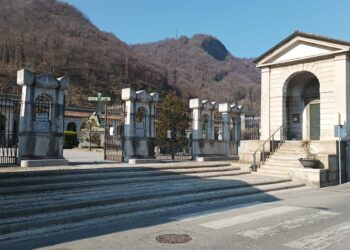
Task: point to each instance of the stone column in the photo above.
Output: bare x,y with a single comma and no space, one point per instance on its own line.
226,116
231,114
42,119
236,118
137,146
199,109
196,106
265,104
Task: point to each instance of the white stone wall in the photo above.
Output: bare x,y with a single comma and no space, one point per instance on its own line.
333,76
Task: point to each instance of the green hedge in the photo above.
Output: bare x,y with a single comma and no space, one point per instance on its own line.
70,139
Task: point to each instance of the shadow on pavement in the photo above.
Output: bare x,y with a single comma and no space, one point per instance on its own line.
126,188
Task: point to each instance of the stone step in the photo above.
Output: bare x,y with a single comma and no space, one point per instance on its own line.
80,195
275,162
274,172
291,150
24,221
282,165
292,143
140,215
282,152
284,157
111,182
42,205
278,167
241,165
72,170
216,158
11,182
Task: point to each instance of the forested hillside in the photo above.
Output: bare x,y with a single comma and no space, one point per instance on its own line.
52,36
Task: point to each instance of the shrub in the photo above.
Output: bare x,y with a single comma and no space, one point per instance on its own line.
70,139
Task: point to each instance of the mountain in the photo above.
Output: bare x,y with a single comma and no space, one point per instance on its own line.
202,66
52,36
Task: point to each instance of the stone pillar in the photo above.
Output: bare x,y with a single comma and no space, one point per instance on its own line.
42,119
195,105
236,118
226,116
265,104
231,117
139,136
199,110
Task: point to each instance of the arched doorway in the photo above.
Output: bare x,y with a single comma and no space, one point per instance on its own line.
72,127
301,96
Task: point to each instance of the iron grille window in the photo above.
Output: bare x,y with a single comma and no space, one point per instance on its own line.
43,106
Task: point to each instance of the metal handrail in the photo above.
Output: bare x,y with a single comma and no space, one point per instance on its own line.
272,149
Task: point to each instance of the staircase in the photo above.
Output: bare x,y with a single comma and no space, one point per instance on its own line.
284,160
33,203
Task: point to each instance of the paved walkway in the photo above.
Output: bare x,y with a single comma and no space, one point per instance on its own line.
85,159
83,155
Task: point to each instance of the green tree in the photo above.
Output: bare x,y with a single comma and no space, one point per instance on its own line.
172,115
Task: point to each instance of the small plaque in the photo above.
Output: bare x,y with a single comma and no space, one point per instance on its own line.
140,130
41,123
139,125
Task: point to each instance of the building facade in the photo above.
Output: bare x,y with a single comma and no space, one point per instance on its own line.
305,87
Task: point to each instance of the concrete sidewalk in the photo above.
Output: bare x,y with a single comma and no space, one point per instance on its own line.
340,188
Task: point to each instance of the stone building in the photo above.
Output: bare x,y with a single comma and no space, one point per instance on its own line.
305,93
305,86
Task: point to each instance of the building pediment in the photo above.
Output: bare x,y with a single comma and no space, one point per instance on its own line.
301,46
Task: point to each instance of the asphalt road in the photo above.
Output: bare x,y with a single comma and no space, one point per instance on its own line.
307,219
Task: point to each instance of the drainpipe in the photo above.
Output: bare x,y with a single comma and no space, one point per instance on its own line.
339,150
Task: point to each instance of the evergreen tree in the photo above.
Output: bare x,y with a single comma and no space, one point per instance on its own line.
172,116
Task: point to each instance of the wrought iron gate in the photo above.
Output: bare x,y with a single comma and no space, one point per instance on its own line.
9,120
114,124
251,129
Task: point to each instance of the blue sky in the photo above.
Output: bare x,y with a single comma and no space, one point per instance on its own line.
246,27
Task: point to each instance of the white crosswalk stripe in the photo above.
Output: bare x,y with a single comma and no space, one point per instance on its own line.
231,221
194,216
323,239
287,225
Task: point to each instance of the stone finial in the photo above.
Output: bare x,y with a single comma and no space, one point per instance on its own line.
226,107
202,104
64,82
128,94
236,108
25,77
195,103
155,96
208,105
